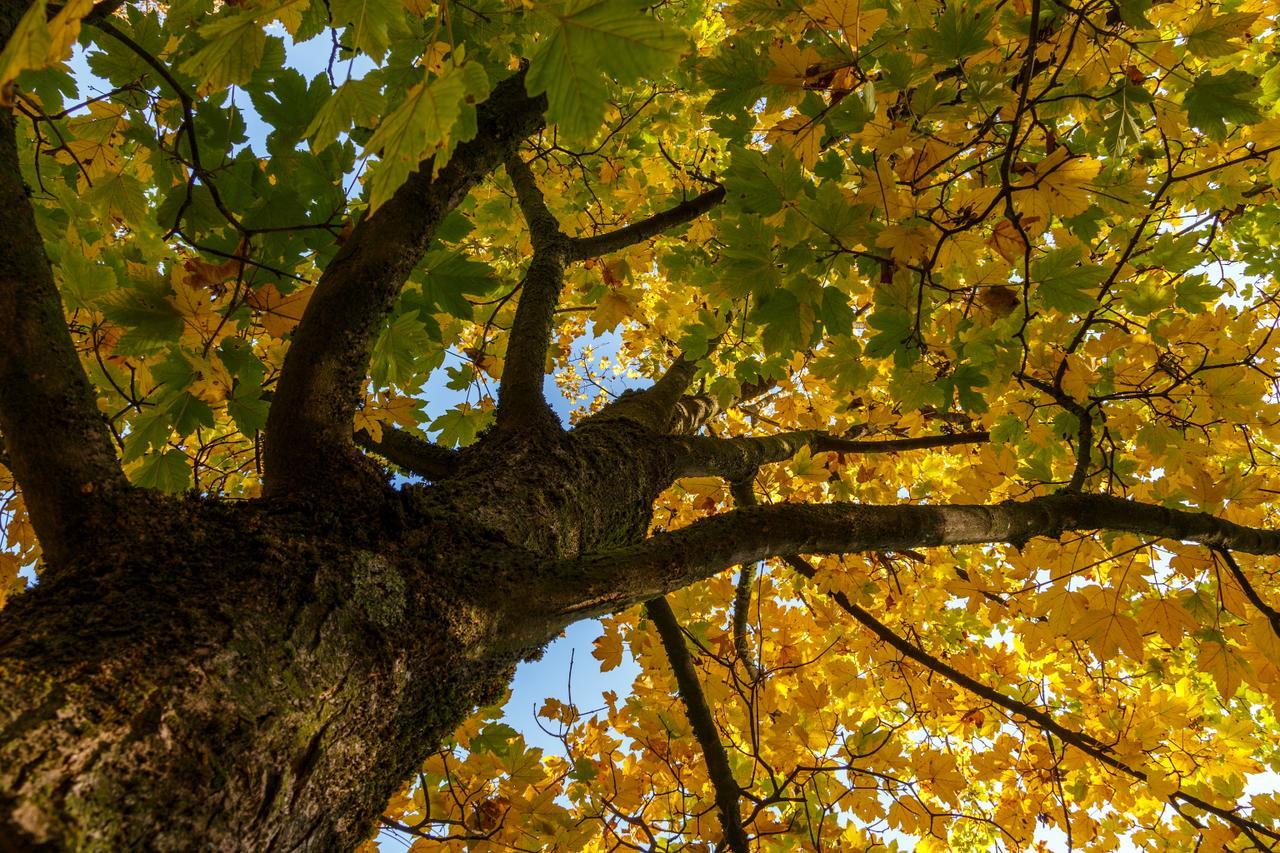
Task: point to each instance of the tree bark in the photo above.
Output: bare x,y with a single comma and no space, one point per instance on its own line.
263,676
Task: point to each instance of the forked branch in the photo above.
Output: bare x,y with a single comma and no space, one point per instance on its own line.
328,359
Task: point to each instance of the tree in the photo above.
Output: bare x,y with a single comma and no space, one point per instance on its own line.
951,329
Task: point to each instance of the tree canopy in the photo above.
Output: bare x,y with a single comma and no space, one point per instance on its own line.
972,305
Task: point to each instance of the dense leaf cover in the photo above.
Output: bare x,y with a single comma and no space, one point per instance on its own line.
1043,228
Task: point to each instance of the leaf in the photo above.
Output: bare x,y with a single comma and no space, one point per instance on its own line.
1060,185
396,352
1223,663
1211,35
167,472
1124,126
960,32
1107,633
36,43
1168,618
420,126
587,41
233,49
1215,99
279,313
460,426
802,136
1066,281
354,103
371,23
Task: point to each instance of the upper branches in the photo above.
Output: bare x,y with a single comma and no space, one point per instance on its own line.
326,365
607,582
521,401
59,447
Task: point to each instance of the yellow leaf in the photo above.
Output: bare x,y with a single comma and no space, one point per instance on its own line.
1226,667
1107,633
849,17
793,65
1168,618
801,135
280,313
1059,186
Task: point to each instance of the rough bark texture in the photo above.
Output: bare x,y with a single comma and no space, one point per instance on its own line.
262,676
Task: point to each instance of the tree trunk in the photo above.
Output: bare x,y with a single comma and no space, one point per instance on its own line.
262,676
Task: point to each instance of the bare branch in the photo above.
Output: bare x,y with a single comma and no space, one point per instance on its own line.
1082,741
521,403
703,724
58,444
328,359
744,494
733,458
1084,434
581,248
610,581
1273,616
415,455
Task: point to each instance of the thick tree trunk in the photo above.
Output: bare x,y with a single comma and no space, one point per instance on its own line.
263,676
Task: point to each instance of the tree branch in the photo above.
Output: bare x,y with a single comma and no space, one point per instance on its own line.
58,444
1273,616
521,403
606,582
744,494
328,358
1084,433
653,406
734,458
581,248
415,455
1082,741
703,724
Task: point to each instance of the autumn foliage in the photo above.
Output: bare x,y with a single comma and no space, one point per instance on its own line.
989,252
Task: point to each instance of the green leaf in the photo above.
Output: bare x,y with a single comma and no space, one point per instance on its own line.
397,350
787,322
83,282
249,411
894,326
420,127
961,31
1211,35
758,184
188,412
354,103
587,41
233,49
150,321
1215,99
289,106
167,472
371,23
1123,127
459,427
1065,282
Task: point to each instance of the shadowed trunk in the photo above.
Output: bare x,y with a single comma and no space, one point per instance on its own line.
263,676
